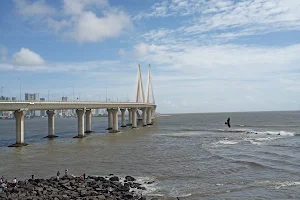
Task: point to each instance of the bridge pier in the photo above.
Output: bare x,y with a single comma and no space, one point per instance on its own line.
123,117
149,117
19,115
51,128
145,116
129,117
88,121
134,119
80,117
109,119
115,128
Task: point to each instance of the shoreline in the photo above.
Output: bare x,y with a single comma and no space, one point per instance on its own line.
72,187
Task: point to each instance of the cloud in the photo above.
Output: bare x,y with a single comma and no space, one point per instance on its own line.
221,21
169,103
90,28
27,57
77,20
77,7
27,8
26,60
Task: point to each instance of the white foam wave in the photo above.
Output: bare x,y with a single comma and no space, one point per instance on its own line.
255,143
286,184
227,142
265,139
277,184
281,133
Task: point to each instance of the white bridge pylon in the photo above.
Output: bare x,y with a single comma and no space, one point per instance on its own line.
140,96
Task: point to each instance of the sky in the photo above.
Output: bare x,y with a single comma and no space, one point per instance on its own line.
205,56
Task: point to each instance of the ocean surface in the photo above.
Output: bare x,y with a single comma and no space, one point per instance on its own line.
190,156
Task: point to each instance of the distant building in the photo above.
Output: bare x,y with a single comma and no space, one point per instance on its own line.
14,98
32,97
42,112
64,98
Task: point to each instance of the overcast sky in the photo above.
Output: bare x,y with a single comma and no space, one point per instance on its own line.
206,56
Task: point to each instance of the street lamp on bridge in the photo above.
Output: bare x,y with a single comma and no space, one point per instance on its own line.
48,94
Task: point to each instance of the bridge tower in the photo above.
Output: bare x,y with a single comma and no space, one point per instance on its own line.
149,85
140,96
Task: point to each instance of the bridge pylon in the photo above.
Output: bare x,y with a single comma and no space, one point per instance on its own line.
140,96
149,85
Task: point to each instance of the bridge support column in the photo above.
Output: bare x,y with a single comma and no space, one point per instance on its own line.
129,117
51,129
115,120
88,121
80,117
144,116
109,119
19,115
149,117
123,117
134,119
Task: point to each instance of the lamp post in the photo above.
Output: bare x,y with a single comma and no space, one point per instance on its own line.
1,93
79,95
99,97
48,94
20,88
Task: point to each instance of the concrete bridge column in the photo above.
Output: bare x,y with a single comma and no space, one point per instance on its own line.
88,121
129,117
149,117
115,128
51,128
134,119
109,119
19,115
123,117
144,116
80,117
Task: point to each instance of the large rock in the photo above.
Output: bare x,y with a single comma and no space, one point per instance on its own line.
129,178
114,178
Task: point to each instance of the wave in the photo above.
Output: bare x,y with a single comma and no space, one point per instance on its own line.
277,184
250,163
282,133
229,142
269,126
247,131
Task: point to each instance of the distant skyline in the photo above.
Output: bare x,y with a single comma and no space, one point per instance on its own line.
206,56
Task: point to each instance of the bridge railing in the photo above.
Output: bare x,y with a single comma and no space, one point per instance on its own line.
33,101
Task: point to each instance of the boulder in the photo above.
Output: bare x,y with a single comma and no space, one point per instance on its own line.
129,178
114,178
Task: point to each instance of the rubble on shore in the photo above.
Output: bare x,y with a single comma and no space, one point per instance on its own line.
69,187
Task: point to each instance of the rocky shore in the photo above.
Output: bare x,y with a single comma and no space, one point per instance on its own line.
69,187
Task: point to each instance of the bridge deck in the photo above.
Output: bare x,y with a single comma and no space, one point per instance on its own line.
65,105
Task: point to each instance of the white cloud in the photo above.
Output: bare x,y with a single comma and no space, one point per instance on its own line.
76,7
228,19
28,8
91,28
27,57
77,19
